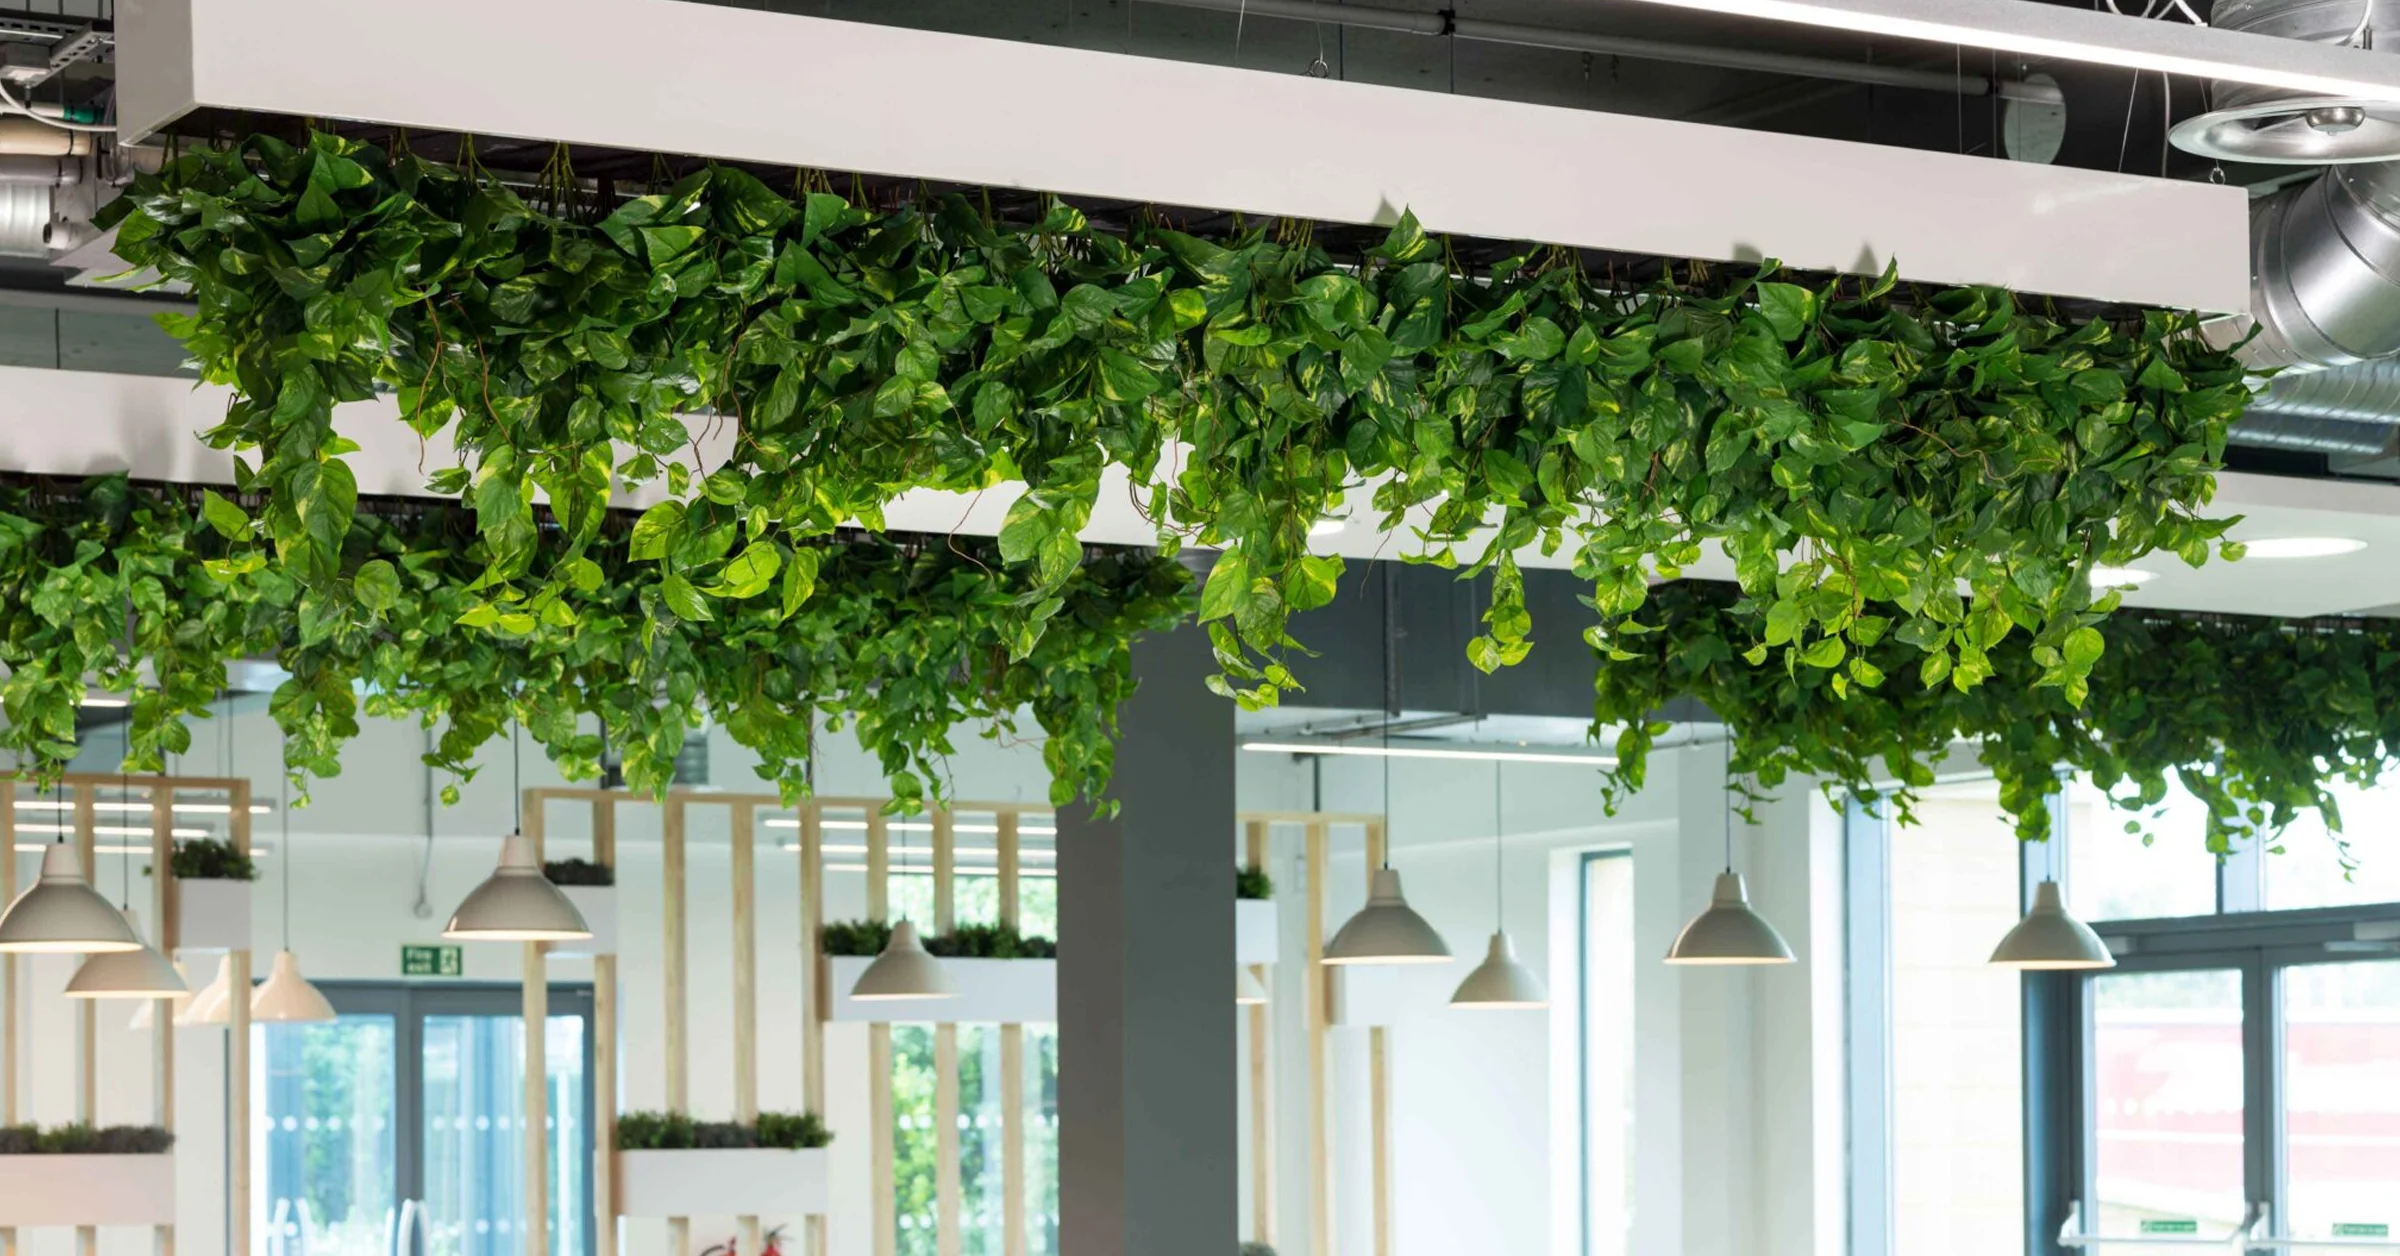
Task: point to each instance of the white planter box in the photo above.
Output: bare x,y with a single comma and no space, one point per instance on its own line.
213,915
87,1190
735,1182
598,903
1255,931
1006,991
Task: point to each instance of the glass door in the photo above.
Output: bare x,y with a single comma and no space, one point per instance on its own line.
398,1128
2168,1101
2341,1105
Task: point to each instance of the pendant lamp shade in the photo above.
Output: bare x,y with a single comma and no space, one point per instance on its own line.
1501,981
287,997
1387,930
1246,990
905,970
516,904
61,913
1729,932
136,974
213,1005
2049,939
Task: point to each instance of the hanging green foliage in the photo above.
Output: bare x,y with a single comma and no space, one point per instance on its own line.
2254,717
149,591
1862,454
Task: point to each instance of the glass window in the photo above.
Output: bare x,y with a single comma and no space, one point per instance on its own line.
473,1140
2161,868
1957,1043
2167,1102
2341,1119
1607,996
326,1134
2305,866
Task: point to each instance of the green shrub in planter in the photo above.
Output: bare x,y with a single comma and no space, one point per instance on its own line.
79,1139
578,872
673,1131
1251,881
868,937
210,859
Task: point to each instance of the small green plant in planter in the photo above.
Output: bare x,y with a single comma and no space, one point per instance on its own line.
79,1139
674,1131
1257,1249
212,859
868,937
1252,881
578,872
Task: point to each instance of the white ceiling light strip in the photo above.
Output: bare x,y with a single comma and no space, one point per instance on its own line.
2132,43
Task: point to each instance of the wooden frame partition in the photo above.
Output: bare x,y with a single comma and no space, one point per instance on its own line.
85,789
1317,858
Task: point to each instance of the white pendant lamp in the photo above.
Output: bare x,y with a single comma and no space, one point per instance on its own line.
1247,992
213,1004
136,974
517,903
286,996
61,914
1500,981
2048,939
1387,930
905,970
1728,932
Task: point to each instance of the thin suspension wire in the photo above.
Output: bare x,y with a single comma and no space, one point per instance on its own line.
1499,852
283,809
1727,743
516,768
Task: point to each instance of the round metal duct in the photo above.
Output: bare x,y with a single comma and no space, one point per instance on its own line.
2276,126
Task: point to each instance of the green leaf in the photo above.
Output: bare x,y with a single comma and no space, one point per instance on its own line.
228,519
377,585
657,530
682,598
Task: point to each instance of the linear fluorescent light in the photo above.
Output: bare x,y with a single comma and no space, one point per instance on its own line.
2042,30
964,872
101,702
108,830
845,848
181,808
913,826
1428,752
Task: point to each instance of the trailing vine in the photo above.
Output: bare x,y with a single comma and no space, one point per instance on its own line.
149,591
2254,717
1861,453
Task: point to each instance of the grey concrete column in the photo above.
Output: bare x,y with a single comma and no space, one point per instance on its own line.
1147,1104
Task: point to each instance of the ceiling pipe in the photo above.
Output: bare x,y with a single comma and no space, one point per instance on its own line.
1450,24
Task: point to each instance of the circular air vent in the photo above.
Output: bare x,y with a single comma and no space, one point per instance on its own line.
2295,131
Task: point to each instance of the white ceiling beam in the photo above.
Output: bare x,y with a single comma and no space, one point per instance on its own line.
712,81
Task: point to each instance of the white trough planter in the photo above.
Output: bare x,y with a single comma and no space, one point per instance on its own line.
728,1182
598,903
87,1190
213,915
1005,991
1255,931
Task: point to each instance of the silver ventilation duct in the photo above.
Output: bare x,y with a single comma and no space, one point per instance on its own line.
2280,126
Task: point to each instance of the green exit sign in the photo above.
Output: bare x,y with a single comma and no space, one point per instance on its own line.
2361,1230
2170,1225
432,961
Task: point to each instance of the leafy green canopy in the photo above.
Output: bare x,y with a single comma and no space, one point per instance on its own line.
1861,458
149,591
2254,717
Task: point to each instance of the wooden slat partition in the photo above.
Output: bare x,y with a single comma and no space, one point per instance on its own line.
947,1189
745,991
679,1229
1255,836
1319,984
812,988
883,1210
535,1030
87,1011
1379,1090
604,1049
163,914
237,1052
1012,1061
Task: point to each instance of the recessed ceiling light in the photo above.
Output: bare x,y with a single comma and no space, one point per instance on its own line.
1327,527
2107,577
2303,546
1426,752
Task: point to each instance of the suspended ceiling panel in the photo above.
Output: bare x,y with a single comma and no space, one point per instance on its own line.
662,76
